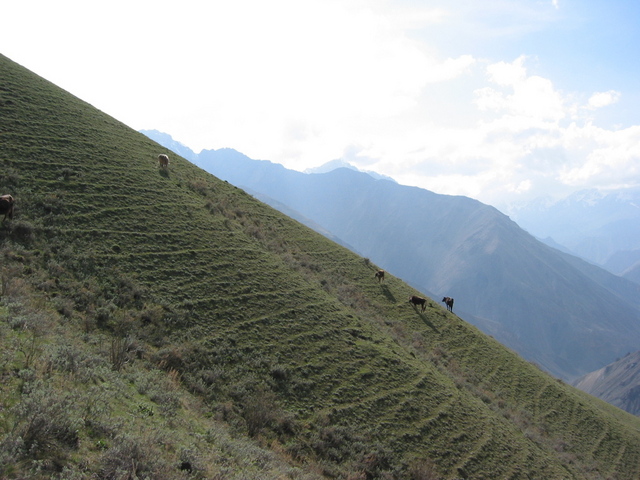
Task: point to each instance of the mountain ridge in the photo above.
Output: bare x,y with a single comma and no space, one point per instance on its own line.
617,383
465,249
592,224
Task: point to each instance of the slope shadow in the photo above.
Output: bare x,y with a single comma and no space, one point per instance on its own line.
387,293
425,319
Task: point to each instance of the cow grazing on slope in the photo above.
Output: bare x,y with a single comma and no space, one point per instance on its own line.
449,302
6,207
380,275
418,301
163,160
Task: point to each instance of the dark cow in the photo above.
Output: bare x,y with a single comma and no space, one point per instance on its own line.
380,275
449,302
163,160
418,301
6,207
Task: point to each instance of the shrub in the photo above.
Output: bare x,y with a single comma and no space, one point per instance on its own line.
262,414
95,409
129,292
104,314
131,457
258,412
334,443
200,186
8,274
11,449
279,373
64,306
45,420
52,203
152,314
30,348
9,178
423,469
66,358
22,231
161,388
170,358
123,349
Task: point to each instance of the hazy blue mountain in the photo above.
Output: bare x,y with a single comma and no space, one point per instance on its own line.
632,273
167,141
565,314
299,217
618,383
339,163
625,263
594,225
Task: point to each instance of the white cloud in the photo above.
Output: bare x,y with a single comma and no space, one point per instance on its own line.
508,74
300,83
603,99
527,142
295,82
612,158
532,97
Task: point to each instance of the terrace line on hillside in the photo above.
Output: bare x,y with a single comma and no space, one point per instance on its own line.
282,336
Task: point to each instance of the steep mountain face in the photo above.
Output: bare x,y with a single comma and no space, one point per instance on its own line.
534,299
618,383
592,224
161,323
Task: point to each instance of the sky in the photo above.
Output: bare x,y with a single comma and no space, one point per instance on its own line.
499,100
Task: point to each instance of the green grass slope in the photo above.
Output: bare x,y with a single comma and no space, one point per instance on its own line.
165,324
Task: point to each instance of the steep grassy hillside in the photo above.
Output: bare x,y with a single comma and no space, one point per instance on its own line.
165,324
459,247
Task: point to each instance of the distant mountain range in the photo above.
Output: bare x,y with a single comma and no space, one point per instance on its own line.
335,164
556,310
603,228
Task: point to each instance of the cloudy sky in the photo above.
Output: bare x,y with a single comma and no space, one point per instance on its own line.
499,100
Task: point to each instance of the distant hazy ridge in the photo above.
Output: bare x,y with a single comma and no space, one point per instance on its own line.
556,310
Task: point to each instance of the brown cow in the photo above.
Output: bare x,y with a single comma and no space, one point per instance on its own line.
418,301
380,275
6,207
449,302
163,160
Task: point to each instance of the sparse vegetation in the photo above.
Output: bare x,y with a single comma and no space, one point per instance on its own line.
164,324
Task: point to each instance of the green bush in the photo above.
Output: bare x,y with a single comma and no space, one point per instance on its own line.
133,457
22,231
45,424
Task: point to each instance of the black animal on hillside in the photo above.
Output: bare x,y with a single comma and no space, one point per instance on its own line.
6,206
449,302
418,301
380,275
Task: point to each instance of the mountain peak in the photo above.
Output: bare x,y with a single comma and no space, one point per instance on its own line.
341,163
